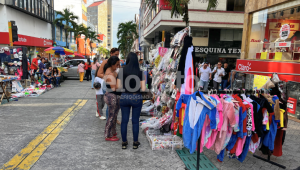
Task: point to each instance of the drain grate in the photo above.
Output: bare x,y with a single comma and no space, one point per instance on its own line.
190,160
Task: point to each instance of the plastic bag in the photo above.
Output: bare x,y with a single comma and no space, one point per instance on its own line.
275,78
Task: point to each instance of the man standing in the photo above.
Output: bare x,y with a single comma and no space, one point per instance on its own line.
225,78
34,66
42,68
219,73
205,76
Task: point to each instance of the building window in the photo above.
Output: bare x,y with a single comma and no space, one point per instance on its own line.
235,5
58,33
200,32
108,30
108,26
108,19
109,45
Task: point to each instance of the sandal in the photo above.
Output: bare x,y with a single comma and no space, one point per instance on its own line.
124,145
136,145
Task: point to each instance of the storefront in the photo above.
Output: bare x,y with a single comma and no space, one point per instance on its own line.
272,33
271,44
214,55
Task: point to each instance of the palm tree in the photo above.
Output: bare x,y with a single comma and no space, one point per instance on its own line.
94,37
180,7
67,18
127,33
103,51
77,29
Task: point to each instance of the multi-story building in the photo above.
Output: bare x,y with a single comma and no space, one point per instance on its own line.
59,34
136,43
109,24
78,7
33,19
98,16
221,28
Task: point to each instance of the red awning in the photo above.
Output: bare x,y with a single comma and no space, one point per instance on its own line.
287,71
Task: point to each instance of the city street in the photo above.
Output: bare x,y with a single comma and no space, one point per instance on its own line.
59,130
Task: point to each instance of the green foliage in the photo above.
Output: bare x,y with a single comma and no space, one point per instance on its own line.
127,33
69,18
180,7
103,51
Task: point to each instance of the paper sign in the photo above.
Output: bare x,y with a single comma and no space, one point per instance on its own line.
259,81
162,51
263,55
278,55
285,31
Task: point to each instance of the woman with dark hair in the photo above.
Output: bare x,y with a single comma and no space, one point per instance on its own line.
56,75
111,97
131,97
80,70
95,65
88,68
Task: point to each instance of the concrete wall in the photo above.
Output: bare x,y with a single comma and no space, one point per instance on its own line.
27,25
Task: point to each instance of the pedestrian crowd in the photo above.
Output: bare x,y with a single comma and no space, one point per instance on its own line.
108,80
42,69
222,76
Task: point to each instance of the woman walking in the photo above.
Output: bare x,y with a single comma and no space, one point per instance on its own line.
131,98
111,97
88,67
95,65
80,70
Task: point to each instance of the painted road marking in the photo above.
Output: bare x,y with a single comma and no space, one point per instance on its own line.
36,104
26,158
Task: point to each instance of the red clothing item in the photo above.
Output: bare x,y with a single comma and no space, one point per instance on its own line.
36,63
278,143
88,65
28,66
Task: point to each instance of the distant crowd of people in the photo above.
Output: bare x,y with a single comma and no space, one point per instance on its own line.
42,69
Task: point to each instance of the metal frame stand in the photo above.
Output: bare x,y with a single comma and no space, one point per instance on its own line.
269,161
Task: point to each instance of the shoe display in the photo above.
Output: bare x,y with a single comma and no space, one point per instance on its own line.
147,109
102,118
112,139
97,115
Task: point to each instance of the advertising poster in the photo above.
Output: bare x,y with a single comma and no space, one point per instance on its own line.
259,81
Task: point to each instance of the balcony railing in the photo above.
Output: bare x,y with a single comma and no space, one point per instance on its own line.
37,8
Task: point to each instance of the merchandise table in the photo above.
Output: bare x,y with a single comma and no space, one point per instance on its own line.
4,83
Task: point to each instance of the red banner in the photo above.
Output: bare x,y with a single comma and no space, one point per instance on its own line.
25,40
272,67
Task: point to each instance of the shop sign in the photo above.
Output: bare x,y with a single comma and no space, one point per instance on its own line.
216,50
291,105
283,44
33,41
278,25
255,67
285,31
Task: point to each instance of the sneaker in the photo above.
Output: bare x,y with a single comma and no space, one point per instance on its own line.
97,115
136,145
147,109
102,118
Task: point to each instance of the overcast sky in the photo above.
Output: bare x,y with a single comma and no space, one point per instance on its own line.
123,11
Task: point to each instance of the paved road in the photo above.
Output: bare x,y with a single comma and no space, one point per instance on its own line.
59,130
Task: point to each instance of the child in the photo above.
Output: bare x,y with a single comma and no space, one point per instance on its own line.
100,97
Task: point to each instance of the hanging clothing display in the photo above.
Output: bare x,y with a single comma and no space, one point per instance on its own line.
230,124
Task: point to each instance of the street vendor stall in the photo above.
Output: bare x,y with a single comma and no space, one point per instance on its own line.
4,81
